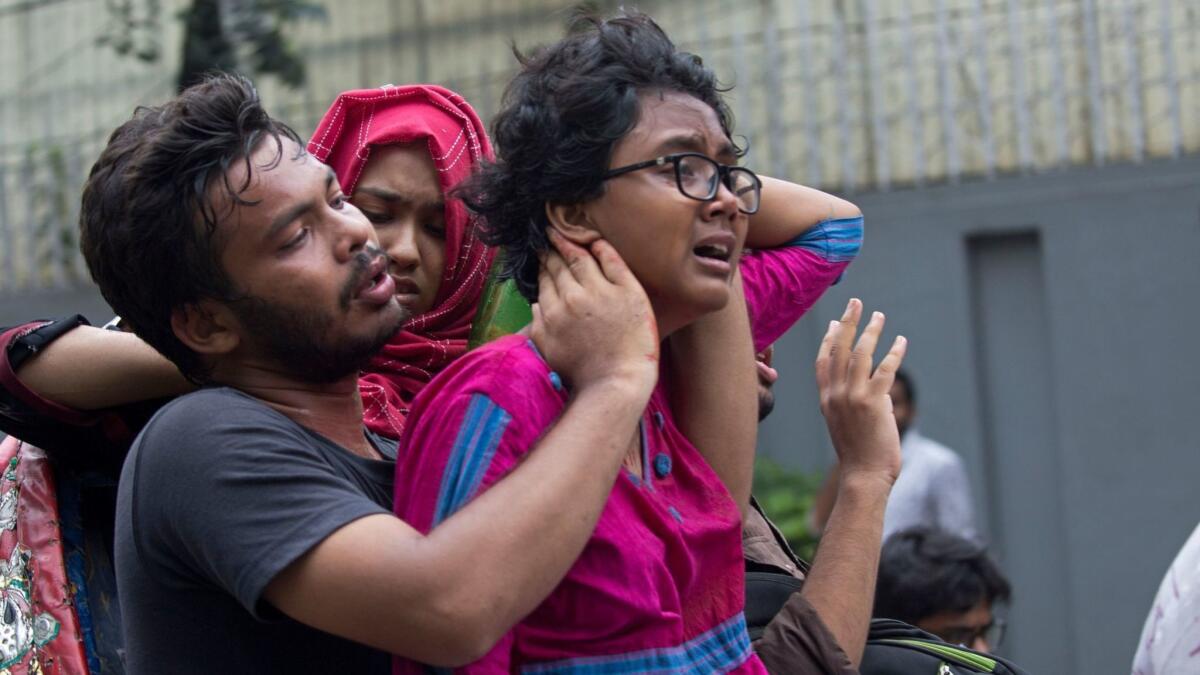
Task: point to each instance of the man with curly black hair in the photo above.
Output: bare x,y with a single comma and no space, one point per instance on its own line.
942,583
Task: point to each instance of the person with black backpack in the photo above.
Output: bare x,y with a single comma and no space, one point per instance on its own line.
791,636
944,584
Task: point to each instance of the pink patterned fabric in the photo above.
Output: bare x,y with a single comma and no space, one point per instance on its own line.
360,120
659,587
42,633
660,582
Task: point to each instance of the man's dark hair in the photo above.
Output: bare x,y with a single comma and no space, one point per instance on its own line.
559,121
904,379
923,572
152,203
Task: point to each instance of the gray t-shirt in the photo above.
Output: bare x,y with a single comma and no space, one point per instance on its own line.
219,494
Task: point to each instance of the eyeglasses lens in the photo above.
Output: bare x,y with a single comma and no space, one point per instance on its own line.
697,177
745,188
994,634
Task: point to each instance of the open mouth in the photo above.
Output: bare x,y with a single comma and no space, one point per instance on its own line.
377,272
713,252
716,250
376,286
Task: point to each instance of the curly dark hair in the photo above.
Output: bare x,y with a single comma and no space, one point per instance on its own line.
925,571
561,118
153,201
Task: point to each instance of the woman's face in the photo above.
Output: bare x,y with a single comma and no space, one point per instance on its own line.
683,251
400,194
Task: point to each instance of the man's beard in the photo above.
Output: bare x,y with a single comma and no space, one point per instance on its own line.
299,339
766,402
303,340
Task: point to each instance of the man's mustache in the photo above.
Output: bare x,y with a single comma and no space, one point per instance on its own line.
361,264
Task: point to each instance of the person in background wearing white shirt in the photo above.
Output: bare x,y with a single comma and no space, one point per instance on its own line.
933,489
1170,640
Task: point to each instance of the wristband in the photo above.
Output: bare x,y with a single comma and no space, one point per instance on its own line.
28,343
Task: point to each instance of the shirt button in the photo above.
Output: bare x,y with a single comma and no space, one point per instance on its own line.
555,381
662,465
659,421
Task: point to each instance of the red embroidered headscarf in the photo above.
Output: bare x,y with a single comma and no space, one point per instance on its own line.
360,120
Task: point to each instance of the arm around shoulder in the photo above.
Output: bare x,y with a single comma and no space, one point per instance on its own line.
382,583
448,597
91,368
789,210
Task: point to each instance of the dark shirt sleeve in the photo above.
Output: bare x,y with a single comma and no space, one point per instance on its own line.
227,492
798,642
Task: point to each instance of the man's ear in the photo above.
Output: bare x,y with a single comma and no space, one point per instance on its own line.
206,327
573,222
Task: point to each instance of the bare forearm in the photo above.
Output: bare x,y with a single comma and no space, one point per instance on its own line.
789,210
523,534
447,598
841,584
91,368
826,496
714,391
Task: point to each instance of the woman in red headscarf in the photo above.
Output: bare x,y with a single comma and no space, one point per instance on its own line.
398,152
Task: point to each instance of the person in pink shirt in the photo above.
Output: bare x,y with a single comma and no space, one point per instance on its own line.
611,140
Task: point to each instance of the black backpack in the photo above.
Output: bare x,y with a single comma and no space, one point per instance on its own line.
893,647
896,648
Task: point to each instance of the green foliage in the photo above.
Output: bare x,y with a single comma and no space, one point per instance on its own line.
133,28
787,496
219,35
51,199
256,27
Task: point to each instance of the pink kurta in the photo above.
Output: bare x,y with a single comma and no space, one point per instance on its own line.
659,587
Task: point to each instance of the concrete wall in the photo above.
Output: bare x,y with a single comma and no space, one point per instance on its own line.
1052,323
18,308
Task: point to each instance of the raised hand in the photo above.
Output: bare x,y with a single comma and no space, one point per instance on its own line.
855,400
593,322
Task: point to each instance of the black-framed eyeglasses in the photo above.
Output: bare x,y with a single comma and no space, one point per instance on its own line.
992,632
700,177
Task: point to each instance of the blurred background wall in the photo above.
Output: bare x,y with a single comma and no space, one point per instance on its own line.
1030,170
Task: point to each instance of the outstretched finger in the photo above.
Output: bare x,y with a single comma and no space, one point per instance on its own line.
885,374
840,356
579,260
560,271
548,292
536,329
864,350
823,355
537,323
612,264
